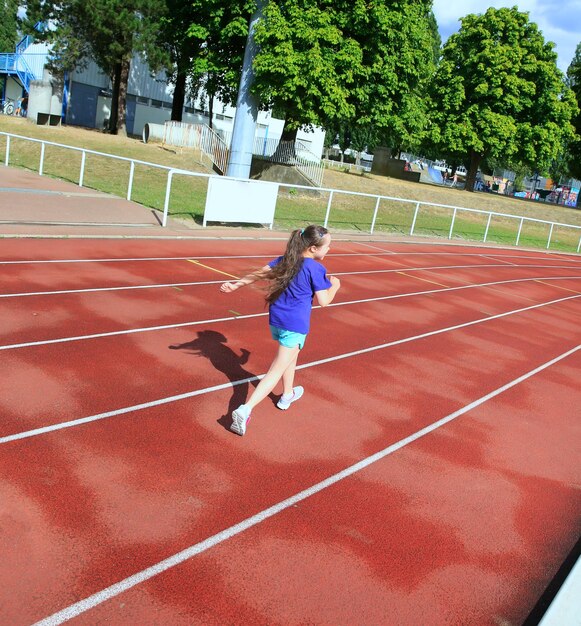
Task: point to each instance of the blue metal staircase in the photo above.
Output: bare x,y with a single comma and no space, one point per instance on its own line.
17,64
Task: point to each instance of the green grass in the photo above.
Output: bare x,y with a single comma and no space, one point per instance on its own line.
295,207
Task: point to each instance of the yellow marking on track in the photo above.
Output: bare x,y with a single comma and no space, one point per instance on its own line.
557,286
423,279
213,269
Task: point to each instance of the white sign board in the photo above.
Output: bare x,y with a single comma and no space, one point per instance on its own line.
249,201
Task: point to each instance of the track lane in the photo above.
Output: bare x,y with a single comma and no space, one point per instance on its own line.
42,317
405,537
49,250
63,276
115,497
143,368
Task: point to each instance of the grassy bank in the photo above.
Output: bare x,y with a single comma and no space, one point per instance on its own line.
294,207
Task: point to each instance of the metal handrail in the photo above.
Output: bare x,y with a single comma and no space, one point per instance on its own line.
379,198
198,136
7,62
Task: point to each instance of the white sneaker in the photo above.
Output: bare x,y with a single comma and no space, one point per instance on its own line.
284,403
240,417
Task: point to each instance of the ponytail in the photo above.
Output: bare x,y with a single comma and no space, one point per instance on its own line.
290,265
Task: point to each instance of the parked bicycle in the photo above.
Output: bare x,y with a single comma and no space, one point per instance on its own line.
7,106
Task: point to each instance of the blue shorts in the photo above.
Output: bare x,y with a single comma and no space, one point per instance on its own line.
288,338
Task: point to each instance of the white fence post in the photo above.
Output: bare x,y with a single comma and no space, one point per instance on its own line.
41,166
82,174
130,184
166,203
550,235
375,214
487,227
522,219
415,217
7,156
328,209
579,245
452,224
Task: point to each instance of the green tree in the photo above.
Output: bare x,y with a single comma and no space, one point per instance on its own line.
573,149
327,61
498,93
108,32
201,42
8,25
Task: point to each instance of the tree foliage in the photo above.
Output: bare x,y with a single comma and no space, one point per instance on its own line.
109,32
498,92
202,42
336,61
572,151
8,25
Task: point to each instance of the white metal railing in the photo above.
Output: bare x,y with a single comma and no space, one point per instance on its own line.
332,164
332,192
293,153
379,198
84,152
198,136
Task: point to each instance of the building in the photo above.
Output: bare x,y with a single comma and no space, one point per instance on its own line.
85,98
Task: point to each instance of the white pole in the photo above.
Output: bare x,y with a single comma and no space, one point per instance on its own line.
82,175
522,219
550,235
130,185
7,157
452,224
579,245
487,227
328,209
375,215
415,217
166,203
246,107
41,166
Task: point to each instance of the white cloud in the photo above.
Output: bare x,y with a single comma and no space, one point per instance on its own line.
559,20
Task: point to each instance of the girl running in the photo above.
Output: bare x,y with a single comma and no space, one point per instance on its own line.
294,279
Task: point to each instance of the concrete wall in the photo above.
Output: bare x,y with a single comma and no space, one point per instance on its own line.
45,98
384,165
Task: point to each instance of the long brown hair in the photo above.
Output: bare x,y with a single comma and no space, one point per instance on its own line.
281,275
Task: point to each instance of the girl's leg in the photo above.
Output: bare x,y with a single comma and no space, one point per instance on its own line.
283,359
288,377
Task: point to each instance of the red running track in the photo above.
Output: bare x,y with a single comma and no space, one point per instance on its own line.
466,524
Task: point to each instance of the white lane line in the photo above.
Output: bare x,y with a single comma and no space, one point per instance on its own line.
454,267
492,258
184,555
94,289
24,294
269,256
190,394
360,243
145,329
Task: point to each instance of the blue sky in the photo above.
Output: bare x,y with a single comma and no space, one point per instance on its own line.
559,20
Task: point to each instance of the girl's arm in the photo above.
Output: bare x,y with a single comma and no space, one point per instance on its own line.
325,296
245,280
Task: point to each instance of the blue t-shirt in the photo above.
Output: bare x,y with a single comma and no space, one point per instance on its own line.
292,309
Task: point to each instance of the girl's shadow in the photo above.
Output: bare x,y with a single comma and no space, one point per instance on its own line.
211,344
